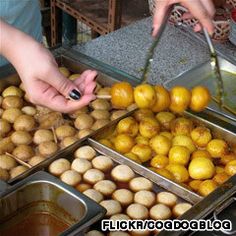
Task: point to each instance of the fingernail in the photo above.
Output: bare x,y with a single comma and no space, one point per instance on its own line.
75,94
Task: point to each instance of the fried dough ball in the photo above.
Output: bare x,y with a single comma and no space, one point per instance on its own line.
92,176
207,186
179,171
81,165
166,198
113,207
230,168
4,175
128,126
133,157
145,198
227,158
67,141
29,110
220,178
21,137
12,91
99,124
59,166
165,118
64,131
165,173
144,152
11,114
122,173
200,153
149,127
100,104
180,209
217,148
6,145
141,114
160,212
117,114
137,211
142,140
121,95
64,71
140,183
201,136
84,132
180,98
14,172
84,121
24,123
94,195
85,152
7,162
181,126
183,140
123,143
1,112
194,184
35,160
94,233
106,142
51,119
103,163
106,187
119,217
100,114
163,99
12,102
23,152
71,177
159,161
43,135
47,148
5,127
179,155
124,196
160,144
81,187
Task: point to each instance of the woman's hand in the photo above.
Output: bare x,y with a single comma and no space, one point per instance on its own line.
203,10
38,70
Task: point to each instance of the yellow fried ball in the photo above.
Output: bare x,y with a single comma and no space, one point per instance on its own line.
160,144
128,126
149,127
162,99
123,143
179,155
206,187
201,136
217,148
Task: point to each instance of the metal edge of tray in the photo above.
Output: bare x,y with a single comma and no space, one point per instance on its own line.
93,213
161,181
207,205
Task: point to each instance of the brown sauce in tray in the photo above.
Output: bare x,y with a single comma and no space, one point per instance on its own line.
37,224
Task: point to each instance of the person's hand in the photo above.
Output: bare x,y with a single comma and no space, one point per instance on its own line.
38,70
203,10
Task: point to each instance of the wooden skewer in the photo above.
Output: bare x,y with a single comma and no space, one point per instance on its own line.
54,134
229,109
104,96
19,160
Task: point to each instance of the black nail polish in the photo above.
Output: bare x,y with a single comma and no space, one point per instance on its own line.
75,94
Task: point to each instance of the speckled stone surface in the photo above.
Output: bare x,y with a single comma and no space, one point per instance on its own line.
126,50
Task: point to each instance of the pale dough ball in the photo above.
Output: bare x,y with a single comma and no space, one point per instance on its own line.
14,172
140,183
120,217
83,186
85,152
137,211
122,173
7,162
93,176
167,198
35,160
81,165
59,166
94,233
160,212
43,135
113,207
4,175
71,177
106,187
103,163
117,233
146,198
124,196
180,209
94,194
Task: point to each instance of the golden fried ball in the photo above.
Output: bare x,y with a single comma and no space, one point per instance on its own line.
141,140
14,172
230,168
220,178
43,135
122,173
94,195
167,134
160,212
141,114
165,118
163,99
200,153
194,184
59,166
145,198
124,196
113,207
64,71
180,209
106,187
137,211
11,114
128,126
217,148
159,161
179,155
140,183
123,143
149,127
201,136
85,152
64,131
160,144
181,126
12,102
7,162
133,157
227,158
179,171
81,165
47,148
70,177
92,176
84,121
24,123
4,175
166,198
207,186
183,140
144,152
103,163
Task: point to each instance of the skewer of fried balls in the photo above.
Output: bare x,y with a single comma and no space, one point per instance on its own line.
157,98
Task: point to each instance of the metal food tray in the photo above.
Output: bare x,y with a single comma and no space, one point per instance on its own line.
44,193
203,75
219,128
75,62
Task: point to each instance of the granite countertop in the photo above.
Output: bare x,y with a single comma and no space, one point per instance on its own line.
177,51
